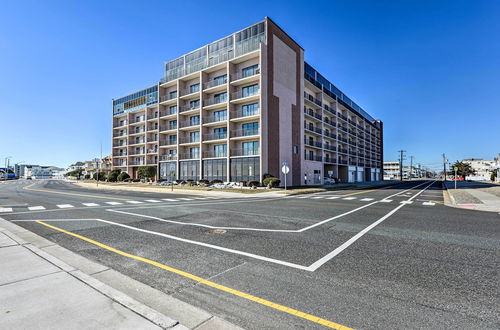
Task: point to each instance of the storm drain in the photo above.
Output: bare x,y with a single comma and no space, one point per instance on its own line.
215,232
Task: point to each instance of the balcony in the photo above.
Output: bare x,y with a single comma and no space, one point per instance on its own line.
152,139
213,120
343,128
342,162
164,128
245,96
213,84
138,120
168,143
118,134
329,122
168,98
136,163
152,161
189,140
189,155
137,131
190,123
189,107
314,144
135,142
341,116
243,133
152,151
154,116
168,157
330,147
315,130
119,144
215,136
152,128
123,124
120,154
353,132
342,139
314,158
242,115
214,154
120,164
241,78
353,163
189,92
312,99
168,112
342,150
329,109
329,134
313,114
330,160
215,102
245,152
351,142
136,152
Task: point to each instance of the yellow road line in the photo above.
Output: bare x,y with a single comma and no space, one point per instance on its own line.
198,279
71,194
360,192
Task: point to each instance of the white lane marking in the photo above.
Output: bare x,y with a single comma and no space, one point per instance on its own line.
134,202
333,197
152,201
348,198
429,203
185,199
307,196
406,202
169,199
199,198
366,199
353,239
386,200
246,254
113,203
64,206
35,208
90,204
318,197
6,209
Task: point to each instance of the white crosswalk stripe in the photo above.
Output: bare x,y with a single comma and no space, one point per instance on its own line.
348,198
366,199
90,204
429,203
334,197
36,208
185,199
64,206
134,202
153,201
206,198
6,209
386,200
405,202
113,203
317,197
169,200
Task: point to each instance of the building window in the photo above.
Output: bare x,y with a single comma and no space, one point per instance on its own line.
194,152
194,137
194,104
172,139
194,120
295,149
189,170
172,124
250,71
172,110
215,169
245,169
221,97
220,115
172,95
250,148
220,150
194,88
250,90
220,133
219,80
250,129
250,109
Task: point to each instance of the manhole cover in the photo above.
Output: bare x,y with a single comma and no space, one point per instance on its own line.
215,231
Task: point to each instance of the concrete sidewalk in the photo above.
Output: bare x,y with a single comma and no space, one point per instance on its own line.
41,291
474,195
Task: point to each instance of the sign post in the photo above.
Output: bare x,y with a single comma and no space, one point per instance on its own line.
285,169
455,169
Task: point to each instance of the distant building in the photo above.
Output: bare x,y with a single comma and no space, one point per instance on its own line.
41,172
482,168
391,171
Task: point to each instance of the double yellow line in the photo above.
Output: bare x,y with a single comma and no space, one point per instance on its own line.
71,194
201,280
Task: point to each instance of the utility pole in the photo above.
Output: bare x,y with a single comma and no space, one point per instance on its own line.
444,166
401,155
411,165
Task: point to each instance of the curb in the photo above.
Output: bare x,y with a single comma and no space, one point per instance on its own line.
90,273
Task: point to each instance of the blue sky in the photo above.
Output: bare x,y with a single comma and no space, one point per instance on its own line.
429,69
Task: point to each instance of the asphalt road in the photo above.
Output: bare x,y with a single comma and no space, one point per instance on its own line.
389,258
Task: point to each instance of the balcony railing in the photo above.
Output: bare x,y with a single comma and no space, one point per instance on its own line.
313,113
329,134
137,131
117,134
119,154
343,128
152,151
241,94
329,122
329,109
189,139
343,161
341,116
244,132
313,129
245,113
120,144
343,139
139,120
189,107
246,74
245,152
315,158
214,83
167,97
141,141
139,152
152,128
342,150
168,143
168,112
118,124
330,147
330,160
215,136
119,164
214,154
187,91
168,157
167,127
189,155
189,123
214,119
311,98
315,144
214,100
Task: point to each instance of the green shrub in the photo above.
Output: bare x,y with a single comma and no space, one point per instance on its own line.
271,182
203,181
102,176
216,181
123,176
243,183
127,180
113,175
136,180
253,183
87,176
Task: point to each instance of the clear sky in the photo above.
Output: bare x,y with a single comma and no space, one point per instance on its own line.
429,69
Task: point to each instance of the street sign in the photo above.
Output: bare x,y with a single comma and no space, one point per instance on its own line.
285,169
455,169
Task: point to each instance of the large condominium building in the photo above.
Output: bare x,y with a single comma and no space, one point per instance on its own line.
237,109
